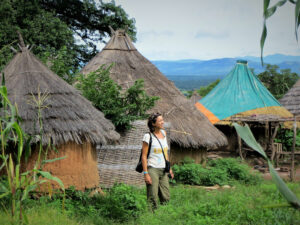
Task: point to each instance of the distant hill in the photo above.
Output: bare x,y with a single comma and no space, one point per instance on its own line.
221,67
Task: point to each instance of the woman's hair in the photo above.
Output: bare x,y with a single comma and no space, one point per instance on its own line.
151,120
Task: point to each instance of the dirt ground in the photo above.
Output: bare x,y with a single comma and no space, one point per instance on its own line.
283,168
284,175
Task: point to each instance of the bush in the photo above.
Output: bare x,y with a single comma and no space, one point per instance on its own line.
118,105
188,173
236,170
195,174
220,171
122,203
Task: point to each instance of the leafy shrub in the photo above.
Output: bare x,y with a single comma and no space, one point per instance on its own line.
286,136
123,203
220,171
195,174
119,106
214,176
236,170
187,160
188,173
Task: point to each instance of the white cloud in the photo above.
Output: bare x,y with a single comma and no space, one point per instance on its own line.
202,29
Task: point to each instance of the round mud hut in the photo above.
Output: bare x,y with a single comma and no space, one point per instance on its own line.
191,132
70,122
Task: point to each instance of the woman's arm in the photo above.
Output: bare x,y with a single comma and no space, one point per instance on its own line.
145,150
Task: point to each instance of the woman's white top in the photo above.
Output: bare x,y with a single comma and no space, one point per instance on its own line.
156,158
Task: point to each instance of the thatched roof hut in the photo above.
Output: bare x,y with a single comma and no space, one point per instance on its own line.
239,94
291,100
70,122
190,128
195,97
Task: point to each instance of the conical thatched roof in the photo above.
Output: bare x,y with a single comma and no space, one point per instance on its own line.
195,97
68,115
130,65
291,100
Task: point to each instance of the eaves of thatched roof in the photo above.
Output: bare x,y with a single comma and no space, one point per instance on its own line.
291,100
195,97
190,128
68,116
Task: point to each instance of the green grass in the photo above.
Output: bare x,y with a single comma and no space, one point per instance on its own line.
45,215
257,205
241,205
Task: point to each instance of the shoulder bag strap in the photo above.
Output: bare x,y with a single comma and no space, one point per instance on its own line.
150,143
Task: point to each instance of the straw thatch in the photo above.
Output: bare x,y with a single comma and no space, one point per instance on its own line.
69,121
68,117
195,97
190,128
291,100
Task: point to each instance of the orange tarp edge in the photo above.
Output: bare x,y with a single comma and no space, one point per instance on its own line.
212,118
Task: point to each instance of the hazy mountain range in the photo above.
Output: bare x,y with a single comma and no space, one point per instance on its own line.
221,67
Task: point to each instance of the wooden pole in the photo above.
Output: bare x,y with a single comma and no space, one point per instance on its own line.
272,141
266,136
240,146
293,150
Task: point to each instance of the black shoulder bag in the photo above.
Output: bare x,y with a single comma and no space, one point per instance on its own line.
139,167
167,168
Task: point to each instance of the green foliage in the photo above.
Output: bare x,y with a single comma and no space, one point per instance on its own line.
41,215
16,185
236,170
39,27
269,11
242,205
91,18
122,203
187,160
121,107
61,62
188,205
188,94
247,136
203,91
220,171
278,83
285,136
63,32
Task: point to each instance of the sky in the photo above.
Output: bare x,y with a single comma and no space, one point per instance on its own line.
205,29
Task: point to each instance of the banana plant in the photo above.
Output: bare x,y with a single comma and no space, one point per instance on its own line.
247,136
269,11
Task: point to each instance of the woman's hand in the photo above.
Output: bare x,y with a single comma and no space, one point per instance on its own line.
148,179
171,173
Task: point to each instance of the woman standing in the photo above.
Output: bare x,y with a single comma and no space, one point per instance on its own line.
154,167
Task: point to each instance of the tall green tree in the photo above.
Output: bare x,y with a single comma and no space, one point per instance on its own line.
278,83
64,32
